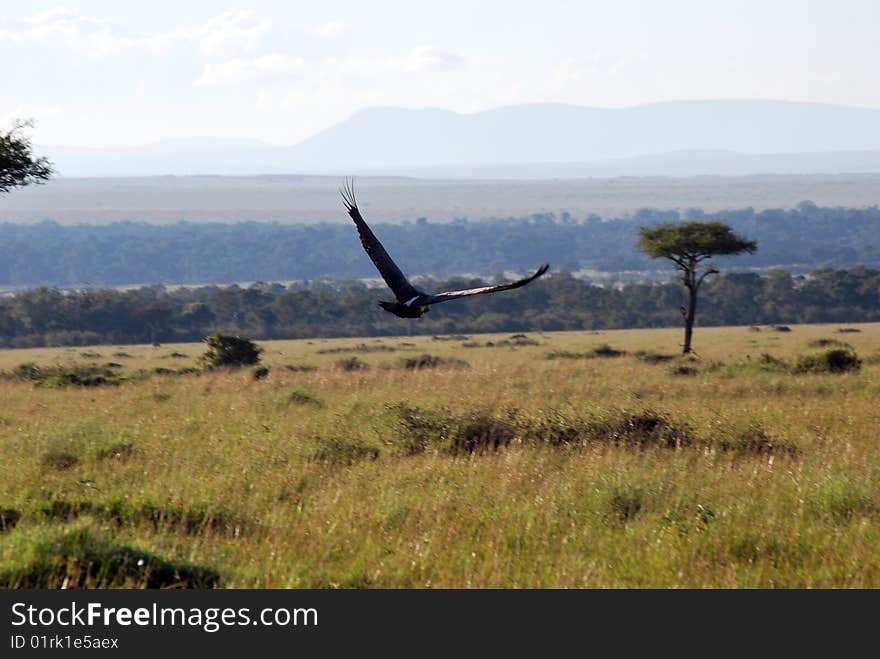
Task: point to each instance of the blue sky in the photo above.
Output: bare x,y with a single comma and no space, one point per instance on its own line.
101,73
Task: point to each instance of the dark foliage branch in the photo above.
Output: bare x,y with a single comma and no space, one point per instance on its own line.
18,166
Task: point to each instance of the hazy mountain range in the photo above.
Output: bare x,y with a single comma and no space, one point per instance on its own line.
681,138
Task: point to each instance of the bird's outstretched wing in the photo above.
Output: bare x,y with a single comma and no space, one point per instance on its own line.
452,295
392,275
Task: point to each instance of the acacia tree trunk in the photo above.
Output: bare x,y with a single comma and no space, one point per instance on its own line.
689,317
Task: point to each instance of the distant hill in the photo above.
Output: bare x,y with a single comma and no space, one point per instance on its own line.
547,140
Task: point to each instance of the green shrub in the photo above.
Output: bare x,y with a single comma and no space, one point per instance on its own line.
753,438
768,362
59,459
471,432
197,519
350,364
651,357
639,430
567,354
626,501
430,361
300,368
603,350
80,375
8,519
606,350
302,396
342,450
227,350
836,360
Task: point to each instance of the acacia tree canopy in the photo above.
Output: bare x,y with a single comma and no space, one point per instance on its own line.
683,242
18,167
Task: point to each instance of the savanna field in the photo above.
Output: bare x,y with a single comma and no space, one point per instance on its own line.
586,459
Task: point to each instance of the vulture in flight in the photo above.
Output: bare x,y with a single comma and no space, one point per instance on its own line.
410,302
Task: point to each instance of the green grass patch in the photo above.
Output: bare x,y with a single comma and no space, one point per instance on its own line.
842,497
79,556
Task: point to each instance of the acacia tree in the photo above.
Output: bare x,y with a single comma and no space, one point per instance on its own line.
18,167
688,245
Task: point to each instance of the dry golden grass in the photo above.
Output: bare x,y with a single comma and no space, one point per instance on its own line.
305,479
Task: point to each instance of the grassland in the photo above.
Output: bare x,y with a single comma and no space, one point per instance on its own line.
553,460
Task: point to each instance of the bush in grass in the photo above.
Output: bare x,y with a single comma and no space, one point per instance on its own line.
350,364
79,375
751,438
626,501
471,432
343,450
431,361
227,350
606,350
198,519
768,362
641,429
8,519
836,360
652,357
302,396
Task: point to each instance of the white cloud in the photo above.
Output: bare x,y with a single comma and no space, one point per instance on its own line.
232,31
47,15
591,69
331,30
431,58
223,35
237,70
62,28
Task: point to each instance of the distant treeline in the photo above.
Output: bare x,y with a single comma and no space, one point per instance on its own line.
47,316
799,239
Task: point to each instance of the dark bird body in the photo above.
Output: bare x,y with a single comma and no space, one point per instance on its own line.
410,301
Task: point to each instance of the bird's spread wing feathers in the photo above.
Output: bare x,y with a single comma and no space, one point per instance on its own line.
452,295
392,275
